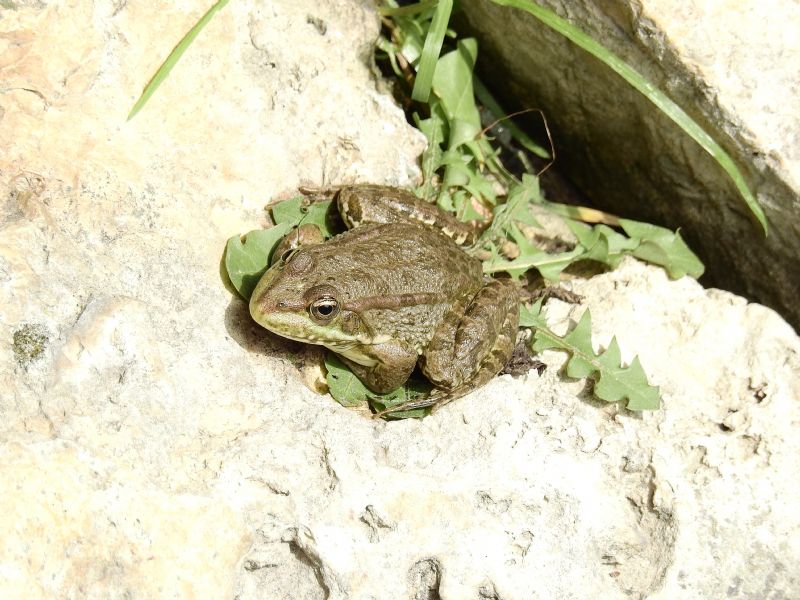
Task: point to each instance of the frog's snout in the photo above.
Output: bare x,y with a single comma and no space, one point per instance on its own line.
273,306
262,302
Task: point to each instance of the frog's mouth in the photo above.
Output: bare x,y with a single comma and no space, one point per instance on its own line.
300,328
291,321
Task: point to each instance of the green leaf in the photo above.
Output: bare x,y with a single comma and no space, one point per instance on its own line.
463,132
656,245
601,243
452,83
549,265
657,97
663,247
349,391
613,382
174,57
617,383
246,258
345,387
298,211
430,51
530,315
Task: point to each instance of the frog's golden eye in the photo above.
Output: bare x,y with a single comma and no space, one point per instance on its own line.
324,309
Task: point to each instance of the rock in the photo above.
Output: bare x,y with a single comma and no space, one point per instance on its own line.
731,66
154,442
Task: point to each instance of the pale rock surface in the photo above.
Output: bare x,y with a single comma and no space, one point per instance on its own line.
154,442
732,65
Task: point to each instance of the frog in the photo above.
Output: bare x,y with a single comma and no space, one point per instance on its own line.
397,290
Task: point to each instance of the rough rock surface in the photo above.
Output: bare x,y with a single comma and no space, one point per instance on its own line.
733,66
154,442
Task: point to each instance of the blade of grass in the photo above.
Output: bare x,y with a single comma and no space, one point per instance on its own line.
634,78
430,51
173,58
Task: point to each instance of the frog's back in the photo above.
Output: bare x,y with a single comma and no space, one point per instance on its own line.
397,258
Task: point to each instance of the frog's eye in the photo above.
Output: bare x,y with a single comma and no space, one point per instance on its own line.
325,308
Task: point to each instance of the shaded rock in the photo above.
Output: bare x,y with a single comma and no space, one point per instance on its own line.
731,66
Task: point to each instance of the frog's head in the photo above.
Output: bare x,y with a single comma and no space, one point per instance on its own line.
295,300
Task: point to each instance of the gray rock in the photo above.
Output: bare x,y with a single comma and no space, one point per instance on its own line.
161,445
731,66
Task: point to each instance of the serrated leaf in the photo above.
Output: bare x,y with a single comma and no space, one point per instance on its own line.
247,257
618,244
656,245
456,172
614,244
586,235
663,247
530,315
616,383
580,365
464,132
549,265
515,208
613,382
599,252
296,211
349,391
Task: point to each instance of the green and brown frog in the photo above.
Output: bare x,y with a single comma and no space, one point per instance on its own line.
395,291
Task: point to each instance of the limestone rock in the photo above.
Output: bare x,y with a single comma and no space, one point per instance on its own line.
732,66
154,442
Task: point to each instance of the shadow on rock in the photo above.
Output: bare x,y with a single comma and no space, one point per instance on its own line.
254,338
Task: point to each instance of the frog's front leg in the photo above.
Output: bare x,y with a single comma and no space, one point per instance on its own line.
381,367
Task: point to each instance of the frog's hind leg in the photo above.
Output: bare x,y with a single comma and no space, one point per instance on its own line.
471,346
474,340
